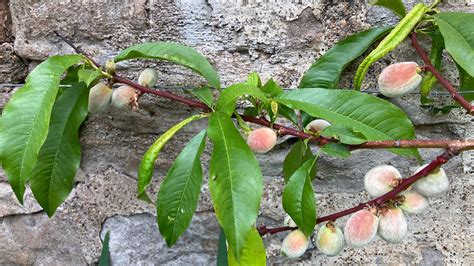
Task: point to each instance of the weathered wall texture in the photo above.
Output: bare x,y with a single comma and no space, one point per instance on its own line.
278,39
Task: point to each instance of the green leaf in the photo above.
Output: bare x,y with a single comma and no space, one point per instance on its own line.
298,198
88,76
104,259
391,41
344,134
429,80
466,84
222,250
396,6
288,113
298,154
204,94
254,251
271,88
458,33
235,181
254,80
25,120
147,165
326,71
228,97
337,150
375,118
176,53
179,193
59,158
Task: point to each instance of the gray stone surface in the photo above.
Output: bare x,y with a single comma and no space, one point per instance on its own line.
278,40
5,22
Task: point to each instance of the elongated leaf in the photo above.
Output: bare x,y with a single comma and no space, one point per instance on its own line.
235,181
336,150
222,250
179,193
88,76
204,94
272,88
298,198
466,84
396,6
254,251
344,134
254,79
104,259
391,41
25,120
59,158
228,97
375,118
298,154
288,113
145,170
458,33
176,53
326,71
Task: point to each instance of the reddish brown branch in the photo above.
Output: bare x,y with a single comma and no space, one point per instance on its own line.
437,162
446,144
444,82
283,130
164,94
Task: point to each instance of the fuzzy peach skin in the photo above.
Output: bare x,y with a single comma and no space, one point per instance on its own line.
295,244
381,179
433,185
361,228
99,98
414,202
330,239
399,79
123,97
393,225
317,125
148,77
262,140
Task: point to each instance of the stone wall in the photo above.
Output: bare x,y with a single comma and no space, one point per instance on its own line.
278,39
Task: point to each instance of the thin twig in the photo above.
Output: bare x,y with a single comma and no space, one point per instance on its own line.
75,48
444,82
377,202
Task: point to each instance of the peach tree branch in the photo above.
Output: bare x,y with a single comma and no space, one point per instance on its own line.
444,82
379,201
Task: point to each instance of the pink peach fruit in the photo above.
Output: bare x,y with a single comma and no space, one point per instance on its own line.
399,79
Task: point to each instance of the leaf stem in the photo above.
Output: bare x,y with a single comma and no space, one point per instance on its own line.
444,82
377,202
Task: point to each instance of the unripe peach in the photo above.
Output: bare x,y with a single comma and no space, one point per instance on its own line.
289,221
99,98
148,77
295,244
361,228
317,125
413,202
261,140
433,185
330,239
381,179
124,96
399,79
392,225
